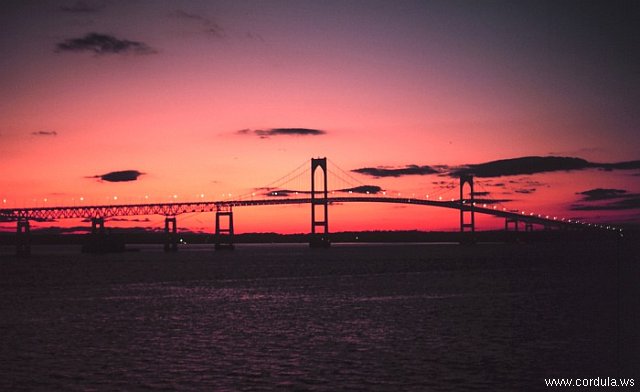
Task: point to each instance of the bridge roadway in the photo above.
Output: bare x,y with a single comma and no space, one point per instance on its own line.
173,209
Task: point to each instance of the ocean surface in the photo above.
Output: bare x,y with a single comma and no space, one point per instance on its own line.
361,317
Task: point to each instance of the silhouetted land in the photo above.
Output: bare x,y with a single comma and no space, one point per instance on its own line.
136,236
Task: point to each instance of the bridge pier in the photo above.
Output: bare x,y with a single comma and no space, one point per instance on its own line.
467,226
319,239
511,236
99,241
528,227
23,238
170,234
224,235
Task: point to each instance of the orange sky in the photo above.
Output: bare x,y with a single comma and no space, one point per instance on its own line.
93,87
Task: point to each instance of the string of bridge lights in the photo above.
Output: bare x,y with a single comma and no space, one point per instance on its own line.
293,175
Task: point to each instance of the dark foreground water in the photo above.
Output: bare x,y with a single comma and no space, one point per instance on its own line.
285,317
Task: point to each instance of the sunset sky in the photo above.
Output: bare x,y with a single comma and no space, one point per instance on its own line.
215,98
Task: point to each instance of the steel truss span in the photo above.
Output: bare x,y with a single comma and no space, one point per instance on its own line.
45,214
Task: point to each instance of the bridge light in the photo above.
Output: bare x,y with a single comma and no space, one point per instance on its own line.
384,193
115,198
439,197
175,196
494,207
504,209
253,194
45,199
202,195
427,196
464,202
350,192
484,205
4,201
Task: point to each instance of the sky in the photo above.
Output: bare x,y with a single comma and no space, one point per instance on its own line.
109,101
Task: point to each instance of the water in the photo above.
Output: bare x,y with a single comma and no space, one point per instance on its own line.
353,317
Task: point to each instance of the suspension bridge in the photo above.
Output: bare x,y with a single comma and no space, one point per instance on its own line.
319,197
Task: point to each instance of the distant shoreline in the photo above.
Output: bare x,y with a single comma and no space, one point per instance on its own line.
409,236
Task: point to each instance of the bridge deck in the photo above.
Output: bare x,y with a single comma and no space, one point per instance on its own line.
173,209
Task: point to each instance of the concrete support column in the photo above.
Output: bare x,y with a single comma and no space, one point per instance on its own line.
170,234
23,238
224,234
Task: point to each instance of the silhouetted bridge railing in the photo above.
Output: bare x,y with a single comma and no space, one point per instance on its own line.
318,199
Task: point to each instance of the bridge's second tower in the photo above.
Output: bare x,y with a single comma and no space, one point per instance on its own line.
467,209
319,238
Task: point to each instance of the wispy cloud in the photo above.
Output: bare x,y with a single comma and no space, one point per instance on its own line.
103,44
383,171
44,133
83,7
266,133
208,25
119,176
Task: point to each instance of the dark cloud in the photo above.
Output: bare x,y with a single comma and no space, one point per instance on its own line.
102,44
602,194
524,165
480,194
45,133
83,7
364,189
265,133
119,176
628,203
208,25
279,193
504,167
629,165
396,172
614,199
534,164
525,190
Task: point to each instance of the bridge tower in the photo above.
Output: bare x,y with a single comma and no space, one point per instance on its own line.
467,209
170,234
319,239
224,235
23,238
